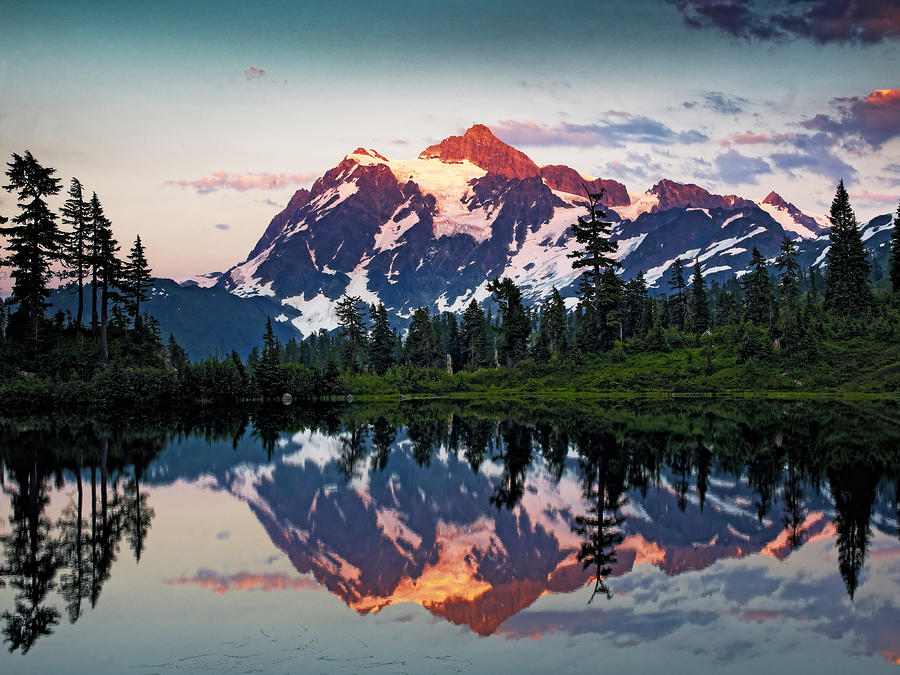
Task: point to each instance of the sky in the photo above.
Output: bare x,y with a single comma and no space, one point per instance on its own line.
196,121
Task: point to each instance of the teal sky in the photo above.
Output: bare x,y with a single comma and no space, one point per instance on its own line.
133,100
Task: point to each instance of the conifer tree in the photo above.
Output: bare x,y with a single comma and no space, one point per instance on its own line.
635,305
515,325
266,372
34,239
610,299
699,306
474,336
895,253
98,223
76,214
678,301
847,289
788,285
758,291
109,270
421,340
554,324
593,234
381,340
352,331
136,280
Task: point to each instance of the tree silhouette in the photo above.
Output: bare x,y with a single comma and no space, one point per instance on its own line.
34,239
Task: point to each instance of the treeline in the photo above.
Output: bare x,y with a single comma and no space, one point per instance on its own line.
776,316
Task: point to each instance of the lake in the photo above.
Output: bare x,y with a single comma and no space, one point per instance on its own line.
675,535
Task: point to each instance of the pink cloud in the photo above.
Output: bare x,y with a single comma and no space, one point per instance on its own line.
243,581
254,73
222,180
877,197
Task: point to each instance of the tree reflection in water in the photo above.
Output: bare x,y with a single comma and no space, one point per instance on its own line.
790,455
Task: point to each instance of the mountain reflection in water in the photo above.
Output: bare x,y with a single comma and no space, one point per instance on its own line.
475,511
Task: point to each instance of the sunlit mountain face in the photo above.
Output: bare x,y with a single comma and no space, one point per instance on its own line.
617,520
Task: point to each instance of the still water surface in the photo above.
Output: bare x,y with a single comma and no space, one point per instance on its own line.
677,536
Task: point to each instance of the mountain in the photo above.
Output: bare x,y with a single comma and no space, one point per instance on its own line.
204,321
432,231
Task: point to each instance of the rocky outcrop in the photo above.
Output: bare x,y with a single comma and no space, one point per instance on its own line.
565,179
674,195
482,148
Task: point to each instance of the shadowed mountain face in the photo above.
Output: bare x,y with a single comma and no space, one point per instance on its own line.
431,231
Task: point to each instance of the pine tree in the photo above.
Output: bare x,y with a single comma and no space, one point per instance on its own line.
610,299
473,337
76,214
267,373
895,253
34,239
847,289
515,325
421,341
108,269
177,356
635,304
136,280
554,324
678,301
593,234
758,291
699,307
381,340
352,331
98,224
788,285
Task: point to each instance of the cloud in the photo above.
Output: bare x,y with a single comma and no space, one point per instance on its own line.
819,21
254,73
222,226
893,177
634,167
243,581
723,103
617,129
732,167
875,198
222,180
875,119
814,154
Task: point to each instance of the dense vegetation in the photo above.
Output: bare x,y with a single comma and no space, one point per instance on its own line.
777,328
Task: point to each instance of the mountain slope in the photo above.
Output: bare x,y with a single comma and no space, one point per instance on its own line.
431,231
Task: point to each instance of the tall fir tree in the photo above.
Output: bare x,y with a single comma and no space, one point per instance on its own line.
352,330
473,337
699,313
554,324
109,270
266,371
635,305
98,224
593,234
381,340
136,280
847,289
76,214
788,286
678,299
895,253
610,302
757,285
34,240
515,325
421,340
